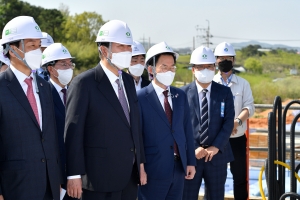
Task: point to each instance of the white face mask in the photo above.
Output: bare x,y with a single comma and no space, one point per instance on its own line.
121,60
205,76
166,78
64,76
33,58
136,70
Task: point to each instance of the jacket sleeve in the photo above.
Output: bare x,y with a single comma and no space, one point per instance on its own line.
76,112
191,159
227,123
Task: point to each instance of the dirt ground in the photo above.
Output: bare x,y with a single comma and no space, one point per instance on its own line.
260,118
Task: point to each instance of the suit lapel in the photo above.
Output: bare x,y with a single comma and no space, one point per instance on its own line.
193,94
108,92
155,103
16,89
57,100
213,97
176,105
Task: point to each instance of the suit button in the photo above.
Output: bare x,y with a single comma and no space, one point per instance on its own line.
131,149
173,131
171,147
43,160
43,139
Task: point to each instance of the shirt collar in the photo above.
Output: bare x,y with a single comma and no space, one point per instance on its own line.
111,76
158,89
219,80
199,88
19,75
57,87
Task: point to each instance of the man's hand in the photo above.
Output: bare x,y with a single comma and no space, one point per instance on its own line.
74,188
190,172
143,175
211,151
234,130
200,153
1,197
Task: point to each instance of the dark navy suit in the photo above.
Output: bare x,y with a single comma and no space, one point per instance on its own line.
165,175
144,82
29,157
219,130
100,143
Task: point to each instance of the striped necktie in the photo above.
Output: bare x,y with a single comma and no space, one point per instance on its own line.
204,119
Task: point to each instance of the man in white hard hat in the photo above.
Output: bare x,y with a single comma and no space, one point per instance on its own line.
103,138
29,153
4,61
137,65
212,111
45,42
167,130
244,108
58,62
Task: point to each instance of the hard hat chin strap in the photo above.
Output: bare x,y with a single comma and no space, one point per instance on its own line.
113,65
24,61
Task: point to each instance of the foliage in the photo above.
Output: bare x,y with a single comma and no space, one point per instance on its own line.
253,65
251,50
83,27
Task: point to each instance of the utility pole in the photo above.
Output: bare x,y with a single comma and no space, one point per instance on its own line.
149,44
193,44
143,40
206,36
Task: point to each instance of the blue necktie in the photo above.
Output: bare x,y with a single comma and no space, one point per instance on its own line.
204,119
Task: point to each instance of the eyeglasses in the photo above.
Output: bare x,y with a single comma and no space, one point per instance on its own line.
165,68
222,58
202,67
66,66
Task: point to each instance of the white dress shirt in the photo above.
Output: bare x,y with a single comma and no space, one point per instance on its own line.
21,78
200,94
58,88
112,79
138,85
161,97
243,99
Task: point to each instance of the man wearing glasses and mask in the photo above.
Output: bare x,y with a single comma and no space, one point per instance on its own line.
57,61
166,128
212,111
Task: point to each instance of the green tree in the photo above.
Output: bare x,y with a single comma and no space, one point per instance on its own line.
83,27
253,65
251,50
49,20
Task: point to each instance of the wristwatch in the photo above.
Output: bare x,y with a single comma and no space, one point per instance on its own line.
239,121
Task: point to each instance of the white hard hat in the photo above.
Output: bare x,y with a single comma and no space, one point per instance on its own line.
19,28
55,51
3,58
47,40
159,48
224,49
202,55
137,49
115,31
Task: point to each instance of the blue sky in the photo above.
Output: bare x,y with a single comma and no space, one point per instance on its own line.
174,21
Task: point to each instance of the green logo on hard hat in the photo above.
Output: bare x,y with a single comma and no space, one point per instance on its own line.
225,49
43,56
204,56
64,51
128,34
168,48
10,31
37,28
103,33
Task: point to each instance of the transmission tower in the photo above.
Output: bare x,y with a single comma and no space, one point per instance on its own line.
206,36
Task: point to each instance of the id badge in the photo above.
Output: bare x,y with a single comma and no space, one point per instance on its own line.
222,109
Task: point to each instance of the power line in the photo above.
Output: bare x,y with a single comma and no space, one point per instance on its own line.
232,38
